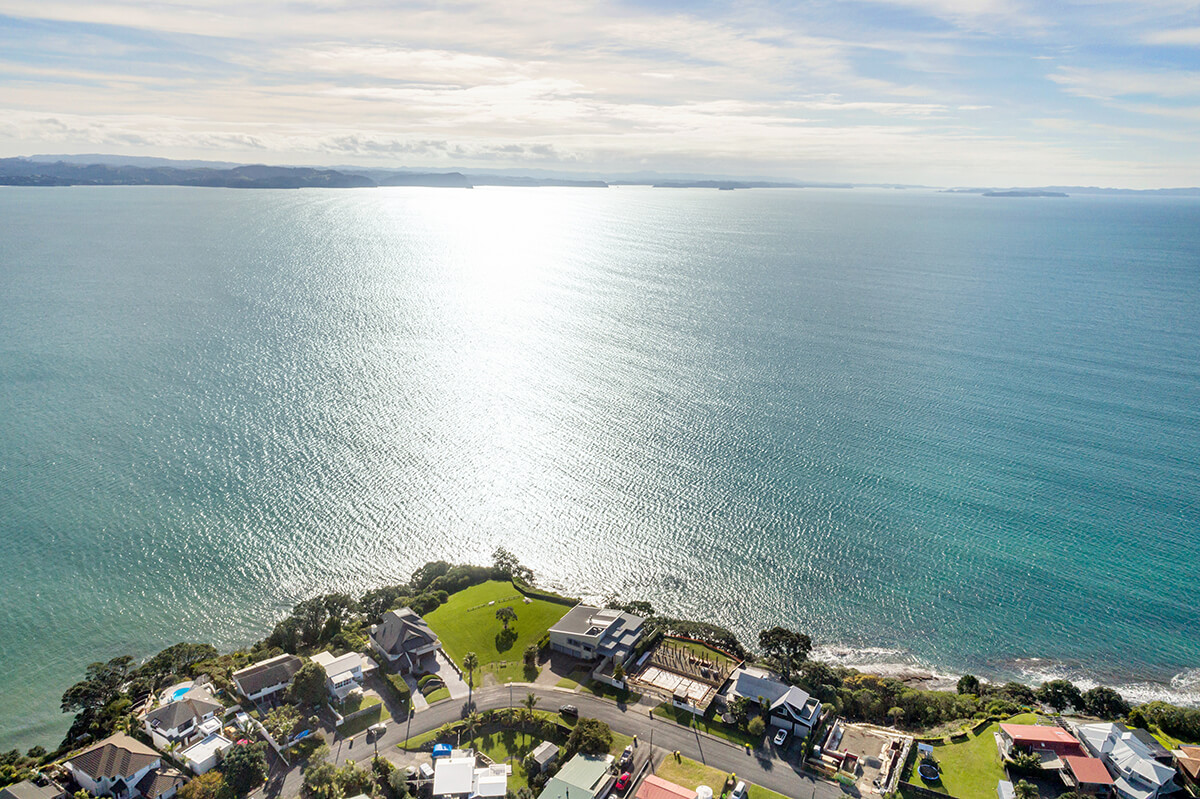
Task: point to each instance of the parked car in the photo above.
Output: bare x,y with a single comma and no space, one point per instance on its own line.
626,761
623,781
568,710
781,738
739,791
376,730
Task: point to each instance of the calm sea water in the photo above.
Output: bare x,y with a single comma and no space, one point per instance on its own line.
949,430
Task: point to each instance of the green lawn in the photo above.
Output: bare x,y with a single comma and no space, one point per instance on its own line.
711,726
467,623
501,744
689,774
354,726
437,694
622,695
970,768
567,682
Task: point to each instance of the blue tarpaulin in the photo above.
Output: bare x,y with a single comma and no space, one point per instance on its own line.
441,750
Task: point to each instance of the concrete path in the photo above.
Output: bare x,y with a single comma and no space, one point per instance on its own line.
444,669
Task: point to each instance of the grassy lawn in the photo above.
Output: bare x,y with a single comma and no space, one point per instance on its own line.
710,726
356,702
467,623
437,694
624,695
970,768
502,744
700,650
1172,743
354,726
567,682
689,774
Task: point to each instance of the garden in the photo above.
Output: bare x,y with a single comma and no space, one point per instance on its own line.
969,768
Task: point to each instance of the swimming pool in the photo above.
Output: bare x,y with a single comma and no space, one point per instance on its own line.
178,692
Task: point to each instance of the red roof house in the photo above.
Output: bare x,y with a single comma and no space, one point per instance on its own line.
1041,738
1088,774
653,787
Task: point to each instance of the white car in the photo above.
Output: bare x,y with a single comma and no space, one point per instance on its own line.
376,730
739,791
780,737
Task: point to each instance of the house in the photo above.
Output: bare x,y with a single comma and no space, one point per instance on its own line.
403,638
591,633
795,711
1039,739
1086,775
204,755
1136,771
1187,763
267,677
123,768
343,675
458,777
180,721
581,777
653,787
31,790
545,754
747,682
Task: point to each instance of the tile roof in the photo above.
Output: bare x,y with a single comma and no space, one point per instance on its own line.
27,790
1038,733
402,631
160,781
265,673
195,705
115,756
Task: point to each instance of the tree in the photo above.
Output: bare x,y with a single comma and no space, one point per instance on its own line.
507,564
896,714
210,785
245,767
756,726
1104,703
1025,762
531,656
590,736
398,782
785,645
968,684
619,671
100,686
739,708
321,780
470,663
1025,790
1060,695
506,615
530,702
308,686
280,722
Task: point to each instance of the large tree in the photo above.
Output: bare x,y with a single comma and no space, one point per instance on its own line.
785,645
1104,703
209,785
506,615
308,686
1060,695
590,736
100,686
507,564
245,767
968,684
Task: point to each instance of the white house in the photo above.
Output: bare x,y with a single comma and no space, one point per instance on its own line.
343,675
457,777
205,754
403,638
1136,772
123,768
591,633
180,721
267,677
795,711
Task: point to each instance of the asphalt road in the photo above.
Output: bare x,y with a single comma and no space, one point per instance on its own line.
761,767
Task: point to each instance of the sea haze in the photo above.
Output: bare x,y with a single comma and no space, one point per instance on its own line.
951,430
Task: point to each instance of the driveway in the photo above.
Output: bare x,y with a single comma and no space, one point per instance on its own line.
443,668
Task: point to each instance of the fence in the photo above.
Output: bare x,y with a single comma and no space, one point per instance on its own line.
921,792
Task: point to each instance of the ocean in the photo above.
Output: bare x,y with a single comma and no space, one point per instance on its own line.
947,431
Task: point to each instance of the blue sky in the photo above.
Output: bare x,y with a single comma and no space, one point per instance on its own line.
943,92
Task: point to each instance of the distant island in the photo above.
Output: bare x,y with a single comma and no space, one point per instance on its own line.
1025,193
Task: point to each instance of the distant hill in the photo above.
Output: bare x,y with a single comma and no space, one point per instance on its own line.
26,172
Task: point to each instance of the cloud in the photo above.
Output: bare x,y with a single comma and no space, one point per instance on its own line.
1189,37
1111,84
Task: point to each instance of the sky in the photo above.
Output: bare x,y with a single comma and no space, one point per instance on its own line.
936,92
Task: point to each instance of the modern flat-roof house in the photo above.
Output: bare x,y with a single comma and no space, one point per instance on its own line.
1040,738
180,721
591,633
205,754
581,777
123,768
267,677
1137,773
25,789
1087,775
795,711
458,777
653,787
403,638
343,675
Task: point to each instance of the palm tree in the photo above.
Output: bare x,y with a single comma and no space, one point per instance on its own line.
472,724
470,663
530,701
506,615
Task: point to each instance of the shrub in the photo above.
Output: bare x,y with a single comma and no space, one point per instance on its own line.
756,726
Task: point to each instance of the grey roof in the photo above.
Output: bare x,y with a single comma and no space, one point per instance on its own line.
27,790
402,631
545,752
160,781
796,704
115,756
266,673
616,631
189,706
1155,749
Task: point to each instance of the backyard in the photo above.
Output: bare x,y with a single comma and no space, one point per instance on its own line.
970,768
468,623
